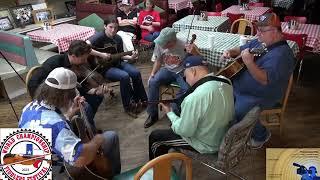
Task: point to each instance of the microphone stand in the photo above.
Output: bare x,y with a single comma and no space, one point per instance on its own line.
4,88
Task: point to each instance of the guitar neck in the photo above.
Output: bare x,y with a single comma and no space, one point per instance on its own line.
119,55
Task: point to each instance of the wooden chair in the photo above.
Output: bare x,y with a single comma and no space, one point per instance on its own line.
158,169
278,110
299,19
242,25
30,73
218,7
300,39
233,147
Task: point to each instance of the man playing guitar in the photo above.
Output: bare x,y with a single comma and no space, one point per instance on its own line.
266,78
122,71
55,102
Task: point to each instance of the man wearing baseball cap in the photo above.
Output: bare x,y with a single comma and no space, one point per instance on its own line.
56,101
205,113
170,52
266,77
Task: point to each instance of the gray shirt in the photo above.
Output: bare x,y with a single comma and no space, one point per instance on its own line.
172,58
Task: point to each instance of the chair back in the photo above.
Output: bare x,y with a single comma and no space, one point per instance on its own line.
162,166
213,13
239,26
256,4
233,17
234,144
17,48
299,19
300,39
218,7
30,73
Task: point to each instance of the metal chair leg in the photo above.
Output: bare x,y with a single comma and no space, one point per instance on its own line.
300,67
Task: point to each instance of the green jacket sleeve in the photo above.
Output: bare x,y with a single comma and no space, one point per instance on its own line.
192,110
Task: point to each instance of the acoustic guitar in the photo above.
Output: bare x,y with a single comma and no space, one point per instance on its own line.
114,58
100,167
236,65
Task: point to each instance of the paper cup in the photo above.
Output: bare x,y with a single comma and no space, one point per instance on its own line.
211,41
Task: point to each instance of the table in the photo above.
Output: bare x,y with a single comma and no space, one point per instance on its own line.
179,4
282,3
252,14
312,30
214,23
222,42
62,35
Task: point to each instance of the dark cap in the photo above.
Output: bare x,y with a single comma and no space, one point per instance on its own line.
269,19
192,61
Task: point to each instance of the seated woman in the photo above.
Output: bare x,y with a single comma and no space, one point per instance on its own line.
149,21
127,20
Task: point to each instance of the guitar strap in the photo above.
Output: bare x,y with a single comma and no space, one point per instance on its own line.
178,101
279,43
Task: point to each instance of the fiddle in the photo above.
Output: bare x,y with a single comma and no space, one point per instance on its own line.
91,78
35,160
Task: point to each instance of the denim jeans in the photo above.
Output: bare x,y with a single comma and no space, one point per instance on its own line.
163,77
123,73
112,151
151,36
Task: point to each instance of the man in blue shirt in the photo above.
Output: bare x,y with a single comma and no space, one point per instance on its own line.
265,79
56,102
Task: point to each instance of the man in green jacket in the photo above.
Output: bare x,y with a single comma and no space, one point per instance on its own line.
205,113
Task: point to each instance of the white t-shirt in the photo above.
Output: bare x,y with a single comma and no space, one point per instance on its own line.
172,58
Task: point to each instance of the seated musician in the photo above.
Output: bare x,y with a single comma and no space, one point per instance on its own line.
205,113
265,79
149,21
77,54
168,51
119,70
127,20
55,97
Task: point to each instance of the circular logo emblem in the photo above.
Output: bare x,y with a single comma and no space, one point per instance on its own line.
25,154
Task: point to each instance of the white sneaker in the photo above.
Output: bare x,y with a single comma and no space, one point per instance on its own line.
258,144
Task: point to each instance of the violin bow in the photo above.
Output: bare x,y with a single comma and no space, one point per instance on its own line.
191,24
89,74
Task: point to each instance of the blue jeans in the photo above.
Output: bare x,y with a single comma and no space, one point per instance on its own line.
123,73
242,106
112,151
163,77
91,107
151,36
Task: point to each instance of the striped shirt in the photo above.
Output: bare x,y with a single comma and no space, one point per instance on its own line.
64,142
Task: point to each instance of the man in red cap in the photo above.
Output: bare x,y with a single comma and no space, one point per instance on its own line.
266,78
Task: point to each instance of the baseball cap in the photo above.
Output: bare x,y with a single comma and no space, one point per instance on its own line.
269,19
125,2
192,61
167,34
65,78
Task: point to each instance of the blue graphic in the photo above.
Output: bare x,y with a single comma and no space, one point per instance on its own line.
29,149
307,174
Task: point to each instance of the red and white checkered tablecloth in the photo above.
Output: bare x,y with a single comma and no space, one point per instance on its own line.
179,4
312,30
252,14
61,35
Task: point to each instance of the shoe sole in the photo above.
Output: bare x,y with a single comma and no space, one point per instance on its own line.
259,147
